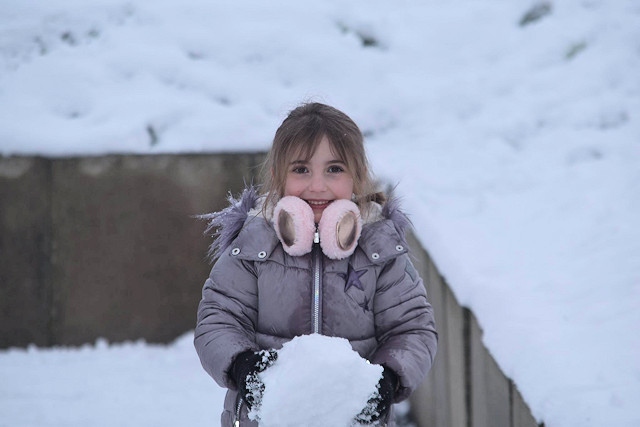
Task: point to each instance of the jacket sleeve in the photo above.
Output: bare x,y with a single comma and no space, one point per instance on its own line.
227,315
405,327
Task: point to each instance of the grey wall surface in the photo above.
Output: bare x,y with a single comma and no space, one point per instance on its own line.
465,387
25,251
108,247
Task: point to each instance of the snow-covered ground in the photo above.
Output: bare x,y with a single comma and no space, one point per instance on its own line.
130,384
138,384
516,150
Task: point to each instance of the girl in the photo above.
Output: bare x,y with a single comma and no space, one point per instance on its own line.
319,251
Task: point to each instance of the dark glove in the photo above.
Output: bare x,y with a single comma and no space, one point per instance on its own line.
244,372
380,402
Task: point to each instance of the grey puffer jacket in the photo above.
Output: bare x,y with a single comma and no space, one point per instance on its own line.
259,297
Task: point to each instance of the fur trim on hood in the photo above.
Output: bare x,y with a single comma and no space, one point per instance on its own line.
391,210
224,226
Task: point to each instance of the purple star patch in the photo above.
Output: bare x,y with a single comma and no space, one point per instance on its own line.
352,278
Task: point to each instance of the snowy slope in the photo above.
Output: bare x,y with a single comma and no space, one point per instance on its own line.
516,148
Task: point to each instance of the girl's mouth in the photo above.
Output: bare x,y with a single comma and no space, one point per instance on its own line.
319,204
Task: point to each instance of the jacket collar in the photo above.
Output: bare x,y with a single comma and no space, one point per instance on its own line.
383,232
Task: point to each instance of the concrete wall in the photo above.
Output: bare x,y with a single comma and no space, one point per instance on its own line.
108,247
25,251
465,387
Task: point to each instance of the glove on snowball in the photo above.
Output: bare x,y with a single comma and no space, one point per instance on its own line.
244,372
379,404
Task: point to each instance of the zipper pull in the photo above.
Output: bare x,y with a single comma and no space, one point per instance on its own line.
316,236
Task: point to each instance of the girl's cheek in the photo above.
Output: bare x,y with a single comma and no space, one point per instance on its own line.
293,186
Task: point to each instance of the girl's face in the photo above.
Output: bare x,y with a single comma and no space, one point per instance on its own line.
320,180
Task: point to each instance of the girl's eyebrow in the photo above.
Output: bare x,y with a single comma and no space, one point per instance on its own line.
330,162
336,162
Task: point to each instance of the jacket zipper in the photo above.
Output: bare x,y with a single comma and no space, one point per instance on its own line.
316,282
316,305
236,422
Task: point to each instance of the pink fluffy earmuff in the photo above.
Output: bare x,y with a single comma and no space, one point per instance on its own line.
293,222
339,228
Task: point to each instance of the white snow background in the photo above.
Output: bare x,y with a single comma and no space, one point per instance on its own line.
516,150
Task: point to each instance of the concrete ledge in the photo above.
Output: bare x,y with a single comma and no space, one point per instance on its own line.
465,387
441,400
490,400
25,248
520,413
107,246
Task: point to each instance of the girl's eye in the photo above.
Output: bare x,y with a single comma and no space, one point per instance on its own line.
299,169
335,169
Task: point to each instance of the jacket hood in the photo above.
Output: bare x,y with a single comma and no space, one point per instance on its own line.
225,225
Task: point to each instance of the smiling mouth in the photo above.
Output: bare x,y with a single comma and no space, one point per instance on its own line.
319,204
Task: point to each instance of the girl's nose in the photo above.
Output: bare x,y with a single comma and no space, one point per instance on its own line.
317,183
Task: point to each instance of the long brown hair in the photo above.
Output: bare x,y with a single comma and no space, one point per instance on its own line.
300,134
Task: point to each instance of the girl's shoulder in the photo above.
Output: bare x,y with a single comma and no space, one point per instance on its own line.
388,213
225,225
384,231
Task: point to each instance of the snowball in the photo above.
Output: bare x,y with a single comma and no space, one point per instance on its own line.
316,381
